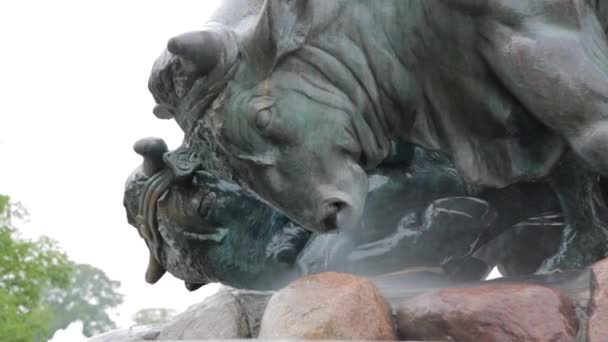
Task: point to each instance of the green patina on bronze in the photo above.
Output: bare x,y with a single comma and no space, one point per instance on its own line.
419,213
308,95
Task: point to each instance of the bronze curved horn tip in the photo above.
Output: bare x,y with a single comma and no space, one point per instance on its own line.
155,270
152,149
203,49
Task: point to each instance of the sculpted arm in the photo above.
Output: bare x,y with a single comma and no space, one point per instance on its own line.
553,56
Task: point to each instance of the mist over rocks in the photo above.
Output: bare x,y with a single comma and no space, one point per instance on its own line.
563,306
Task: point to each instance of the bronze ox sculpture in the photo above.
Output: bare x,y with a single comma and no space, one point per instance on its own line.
296,101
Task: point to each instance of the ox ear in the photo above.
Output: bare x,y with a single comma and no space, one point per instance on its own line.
282,27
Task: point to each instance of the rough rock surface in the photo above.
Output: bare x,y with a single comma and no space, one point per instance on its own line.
329,306
229,314
254,304
135,333
506,312
597,326
219,317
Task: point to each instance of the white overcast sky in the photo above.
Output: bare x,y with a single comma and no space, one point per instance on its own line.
73,99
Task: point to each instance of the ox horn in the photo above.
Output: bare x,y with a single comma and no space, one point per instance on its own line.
202,49
155,270
152,149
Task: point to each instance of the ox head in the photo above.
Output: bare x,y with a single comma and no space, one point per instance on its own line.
286,120
194,225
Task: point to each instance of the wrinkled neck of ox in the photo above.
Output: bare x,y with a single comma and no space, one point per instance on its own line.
371,44
372,112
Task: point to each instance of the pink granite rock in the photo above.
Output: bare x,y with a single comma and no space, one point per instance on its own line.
597,326
502,312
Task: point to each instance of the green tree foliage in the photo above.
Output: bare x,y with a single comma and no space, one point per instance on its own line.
152,316
42,291
90,295
27,269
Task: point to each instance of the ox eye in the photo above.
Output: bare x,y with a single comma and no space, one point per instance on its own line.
261,109
262,119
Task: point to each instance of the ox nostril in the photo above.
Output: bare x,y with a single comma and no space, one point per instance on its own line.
332,210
